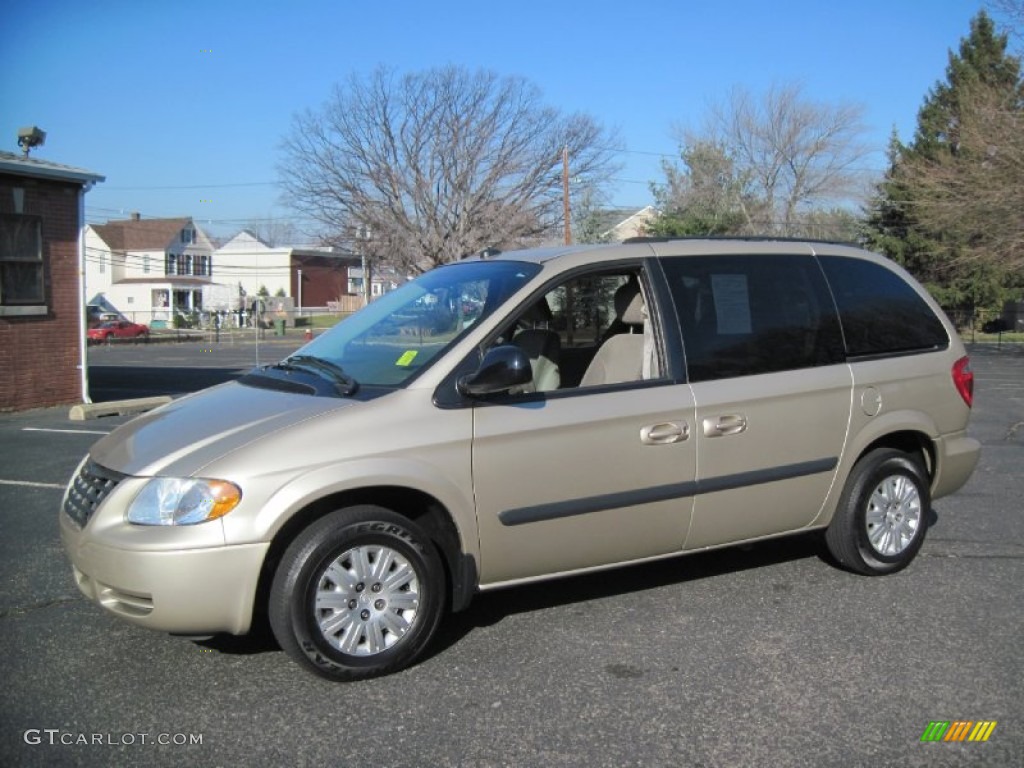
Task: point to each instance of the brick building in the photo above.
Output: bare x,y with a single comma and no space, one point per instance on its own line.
42,316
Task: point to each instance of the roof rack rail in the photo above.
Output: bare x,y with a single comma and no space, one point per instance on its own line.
745,238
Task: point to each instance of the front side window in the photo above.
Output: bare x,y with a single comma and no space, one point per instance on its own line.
881,314
22,270
400,334
748,315
592,329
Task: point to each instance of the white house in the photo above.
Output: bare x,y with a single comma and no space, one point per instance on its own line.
149,269
311,276
249,264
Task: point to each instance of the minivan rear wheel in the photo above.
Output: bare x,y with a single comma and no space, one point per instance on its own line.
359,593
882,517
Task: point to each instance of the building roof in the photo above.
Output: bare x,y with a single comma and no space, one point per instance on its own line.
245,241
19,165
624,223
141,234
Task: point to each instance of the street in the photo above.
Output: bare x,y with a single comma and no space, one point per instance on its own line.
756,656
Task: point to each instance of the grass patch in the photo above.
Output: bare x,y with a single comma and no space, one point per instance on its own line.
977,337
321,322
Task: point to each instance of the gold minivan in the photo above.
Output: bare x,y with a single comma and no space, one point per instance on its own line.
525,416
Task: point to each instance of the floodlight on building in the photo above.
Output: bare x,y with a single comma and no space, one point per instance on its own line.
30,137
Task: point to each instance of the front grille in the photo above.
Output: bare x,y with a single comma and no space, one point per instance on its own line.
90,487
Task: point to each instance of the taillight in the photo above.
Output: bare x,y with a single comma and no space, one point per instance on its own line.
963,379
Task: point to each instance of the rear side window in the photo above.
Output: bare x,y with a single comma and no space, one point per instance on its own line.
881,313
746,315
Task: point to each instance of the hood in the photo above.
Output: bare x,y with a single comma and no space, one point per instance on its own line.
182,437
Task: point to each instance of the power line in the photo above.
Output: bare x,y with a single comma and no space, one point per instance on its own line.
227,185
194,186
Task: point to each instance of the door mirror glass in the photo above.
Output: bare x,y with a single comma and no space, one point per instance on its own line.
502,369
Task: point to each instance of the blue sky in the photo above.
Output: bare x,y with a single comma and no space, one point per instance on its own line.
182,105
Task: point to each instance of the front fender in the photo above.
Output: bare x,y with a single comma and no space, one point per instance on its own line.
455,494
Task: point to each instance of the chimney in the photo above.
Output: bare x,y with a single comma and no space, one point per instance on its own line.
135,215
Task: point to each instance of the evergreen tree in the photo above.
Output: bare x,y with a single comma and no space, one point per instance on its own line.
706,197
922,216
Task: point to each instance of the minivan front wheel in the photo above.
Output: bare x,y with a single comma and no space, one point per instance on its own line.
357,594
882,517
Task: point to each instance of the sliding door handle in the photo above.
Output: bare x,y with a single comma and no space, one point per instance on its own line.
720,426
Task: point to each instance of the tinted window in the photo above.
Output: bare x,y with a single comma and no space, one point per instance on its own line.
745,315
881,314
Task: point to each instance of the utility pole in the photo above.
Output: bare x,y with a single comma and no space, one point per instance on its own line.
362,238
565,194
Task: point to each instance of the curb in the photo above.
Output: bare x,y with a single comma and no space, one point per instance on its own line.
85,411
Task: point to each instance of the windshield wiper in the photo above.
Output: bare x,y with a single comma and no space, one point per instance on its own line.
345,384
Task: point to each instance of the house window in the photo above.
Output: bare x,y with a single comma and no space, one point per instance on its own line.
170,264
22,270
145,265
188,236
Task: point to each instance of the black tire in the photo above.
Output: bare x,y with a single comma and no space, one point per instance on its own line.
369,623
882,517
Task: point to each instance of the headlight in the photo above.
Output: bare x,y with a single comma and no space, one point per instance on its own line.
183,501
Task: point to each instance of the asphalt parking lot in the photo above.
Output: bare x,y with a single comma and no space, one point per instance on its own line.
120,371
761,656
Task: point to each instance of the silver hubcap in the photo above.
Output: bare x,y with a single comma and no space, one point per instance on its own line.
366,600
893,516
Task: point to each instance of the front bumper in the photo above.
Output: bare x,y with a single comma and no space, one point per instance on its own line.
186,591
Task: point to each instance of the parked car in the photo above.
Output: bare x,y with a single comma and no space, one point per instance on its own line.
998,325
696,394
117,329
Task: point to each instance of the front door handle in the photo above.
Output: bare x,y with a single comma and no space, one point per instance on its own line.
665,433
719,426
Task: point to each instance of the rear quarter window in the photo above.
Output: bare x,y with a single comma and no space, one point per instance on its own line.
881,314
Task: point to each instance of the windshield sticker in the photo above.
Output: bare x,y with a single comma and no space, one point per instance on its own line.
406,359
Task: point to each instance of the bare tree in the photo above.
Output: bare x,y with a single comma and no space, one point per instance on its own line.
1011,14
795,155
432,166
273,231
975,195
589,214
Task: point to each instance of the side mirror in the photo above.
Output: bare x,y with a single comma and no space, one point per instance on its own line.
502,369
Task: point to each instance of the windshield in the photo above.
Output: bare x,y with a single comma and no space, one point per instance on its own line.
392,339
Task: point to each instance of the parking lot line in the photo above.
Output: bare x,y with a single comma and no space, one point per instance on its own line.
66,431
29,484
